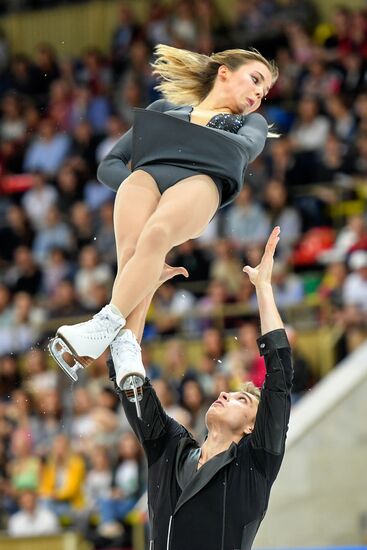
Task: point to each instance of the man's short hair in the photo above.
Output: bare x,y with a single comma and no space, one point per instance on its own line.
249,387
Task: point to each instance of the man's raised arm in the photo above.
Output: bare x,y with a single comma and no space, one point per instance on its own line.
268,437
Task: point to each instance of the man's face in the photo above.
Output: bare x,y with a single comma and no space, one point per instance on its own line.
233,412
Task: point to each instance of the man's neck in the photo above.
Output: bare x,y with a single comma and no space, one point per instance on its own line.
217,442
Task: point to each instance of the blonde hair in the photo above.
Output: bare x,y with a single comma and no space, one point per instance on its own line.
249,387
187,77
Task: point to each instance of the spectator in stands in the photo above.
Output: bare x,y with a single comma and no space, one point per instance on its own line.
152,368
33,519
288,287
176,361
125,33
310,129
62,479
331,287
50,413
281,213
169,396
216,298
24,466
16,231
109,423
207,369
82,225
37,376
57,268
128,96
244,363
27,319
213,344
55,234
94,72
156,28
353,73
88,108
355,285
183,25
170,305
25,275
126,487
342,119
20,76
193,400
282,165
105,236
59,104
64,302
246,221
115,127
98,481
321,81
5,310
91,272
69,189
226,267
38,200
84,144
12,124
46,70
83,426
48,150
95,194
303,377
10,376
194,259
333,164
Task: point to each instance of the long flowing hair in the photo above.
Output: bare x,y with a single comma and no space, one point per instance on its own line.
187,77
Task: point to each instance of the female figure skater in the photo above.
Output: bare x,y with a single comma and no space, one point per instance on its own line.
188,153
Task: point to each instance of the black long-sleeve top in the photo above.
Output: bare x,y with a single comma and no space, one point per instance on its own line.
223,504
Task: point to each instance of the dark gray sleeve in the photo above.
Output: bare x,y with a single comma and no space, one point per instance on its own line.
254,132
113,169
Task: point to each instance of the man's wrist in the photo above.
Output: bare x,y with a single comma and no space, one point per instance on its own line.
263,287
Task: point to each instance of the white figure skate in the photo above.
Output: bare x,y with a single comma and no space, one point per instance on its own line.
129,368
77,346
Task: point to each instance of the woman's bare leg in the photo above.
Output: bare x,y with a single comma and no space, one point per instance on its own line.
183,212
139,322
135,202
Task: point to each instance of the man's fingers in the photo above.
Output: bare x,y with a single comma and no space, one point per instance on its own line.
272,241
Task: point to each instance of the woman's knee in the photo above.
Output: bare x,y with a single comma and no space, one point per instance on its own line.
155,236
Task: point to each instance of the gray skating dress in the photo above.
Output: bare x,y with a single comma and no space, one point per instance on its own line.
164,143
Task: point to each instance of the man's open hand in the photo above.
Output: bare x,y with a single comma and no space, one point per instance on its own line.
261,274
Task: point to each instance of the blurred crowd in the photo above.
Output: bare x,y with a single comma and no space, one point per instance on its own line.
68,457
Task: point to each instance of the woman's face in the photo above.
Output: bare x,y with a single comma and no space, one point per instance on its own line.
246,86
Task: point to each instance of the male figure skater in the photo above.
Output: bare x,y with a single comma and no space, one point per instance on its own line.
214,497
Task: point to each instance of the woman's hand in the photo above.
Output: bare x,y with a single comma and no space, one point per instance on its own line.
261,274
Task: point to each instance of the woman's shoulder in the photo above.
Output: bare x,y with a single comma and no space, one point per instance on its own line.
162,105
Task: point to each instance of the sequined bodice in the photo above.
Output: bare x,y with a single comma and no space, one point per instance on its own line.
227,121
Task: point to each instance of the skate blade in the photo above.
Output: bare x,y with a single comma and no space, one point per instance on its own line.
66,358
133,388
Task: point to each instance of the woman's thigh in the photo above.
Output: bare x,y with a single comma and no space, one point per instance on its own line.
136,200
186,208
